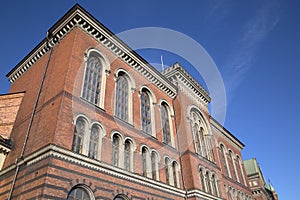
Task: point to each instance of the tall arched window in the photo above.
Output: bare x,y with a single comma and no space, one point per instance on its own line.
167,170
116,142
175,174
224,160
79,193
92,79
128,155
154,165
145,112
122,97
203,145
202,179
214,184
165,124
207,181
199,133
197,139
241,169
94,142
78,137
145,153
233,164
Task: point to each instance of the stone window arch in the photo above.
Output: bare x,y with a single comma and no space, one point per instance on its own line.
128,154
200,131
224,160
116,149
80,129
94,82
148,101
166,123
121,197
154,165
123,96
81,192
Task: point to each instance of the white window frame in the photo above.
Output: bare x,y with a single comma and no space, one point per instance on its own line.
105,71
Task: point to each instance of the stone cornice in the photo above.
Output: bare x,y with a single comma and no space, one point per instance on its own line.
69,156
226,134
177,72
202,195
78,17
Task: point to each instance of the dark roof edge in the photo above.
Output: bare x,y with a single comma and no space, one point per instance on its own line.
227,131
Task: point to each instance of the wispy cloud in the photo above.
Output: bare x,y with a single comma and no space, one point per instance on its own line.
253,34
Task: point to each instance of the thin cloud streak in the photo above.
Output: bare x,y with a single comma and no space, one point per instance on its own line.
244,55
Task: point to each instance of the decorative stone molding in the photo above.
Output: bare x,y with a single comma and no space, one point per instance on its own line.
177,74
78,17
69,156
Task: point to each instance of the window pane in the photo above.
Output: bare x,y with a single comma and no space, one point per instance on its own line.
94,140
145,112
78,194
92,80
165,125
78,136
122,98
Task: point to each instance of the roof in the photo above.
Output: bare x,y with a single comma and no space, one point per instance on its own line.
251,167
79,17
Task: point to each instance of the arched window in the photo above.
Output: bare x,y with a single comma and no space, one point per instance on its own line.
122,97
202,179
94,142
165,124
207,181
175,174
92,79
121,197
154,165
233,164
214,184
116,143
128,155
146,112
78,137
224,160
199,133
203,145
144,160
167,170
241,169
127,151
79,193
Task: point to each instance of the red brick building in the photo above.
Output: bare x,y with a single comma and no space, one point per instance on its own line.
96,121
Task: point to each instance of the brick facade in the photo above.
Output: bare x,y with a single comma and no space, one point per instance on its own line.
53,102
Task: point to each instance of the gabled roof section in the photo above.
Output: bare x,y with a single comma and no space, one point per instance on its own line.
178,71
79,17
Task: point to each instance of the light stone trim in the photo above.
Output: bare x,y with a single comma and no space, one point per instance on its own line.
178,73
58,152
202,195
77,17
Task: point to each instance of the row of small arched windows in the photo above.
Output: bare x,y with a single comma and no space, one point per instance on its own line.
228,159
83,192
93,90
209,182
87,140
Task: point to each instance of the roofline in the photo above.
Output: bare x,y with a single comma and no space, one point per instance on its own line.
230,135
79,17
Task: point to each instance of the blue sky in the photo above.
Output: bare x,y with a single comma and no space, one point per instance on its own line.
255,45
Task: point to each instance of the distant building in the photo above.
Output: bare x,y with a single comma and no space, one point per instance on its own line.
93,120
260,189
